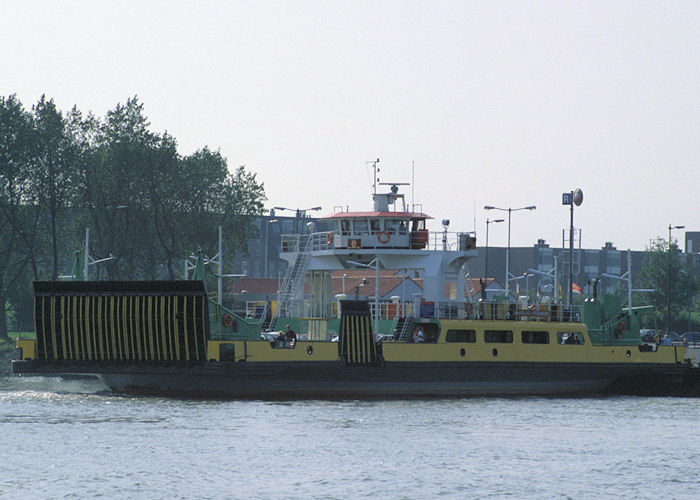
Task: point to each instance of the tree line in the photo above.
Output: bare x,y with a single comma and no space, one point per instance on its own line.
673,278
145,204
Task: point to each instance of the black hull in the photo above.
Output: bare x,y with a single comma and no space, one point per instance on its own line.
334,380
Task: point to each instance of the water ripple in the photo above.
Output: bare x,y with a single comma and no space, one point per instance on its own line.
73,444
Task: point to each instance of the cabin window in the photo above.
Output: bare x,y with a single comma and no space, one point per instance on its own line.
498,336
361,227
395,226
431,332
461,336
534,337
571,338
418,224
374,226
345,227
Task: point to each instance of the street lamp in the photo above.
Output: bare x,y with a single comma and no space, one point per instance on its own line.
571,198
668,283
551,274
300,214
509,210
486,264
524,276
267,225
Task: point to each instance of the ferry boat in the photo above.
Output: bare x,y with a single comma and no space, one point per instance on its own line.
170,338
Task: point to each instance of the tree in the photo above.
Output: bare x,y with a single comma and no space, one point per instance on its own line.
150,207
654,274
54,175
143,202
17,141
113,155
191,197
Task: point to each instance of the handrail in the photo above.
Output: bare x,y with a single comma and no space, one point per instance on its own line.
434,240
484,310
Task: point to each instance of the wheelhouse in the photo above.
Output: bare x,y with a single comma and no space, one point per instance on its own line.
378,230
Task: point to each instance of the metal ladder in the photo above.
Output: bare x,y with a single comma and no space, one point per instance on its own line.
403,325
293,278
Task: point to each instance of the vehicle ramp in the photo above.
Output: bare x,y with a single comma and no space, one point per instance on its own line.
357,343
134,322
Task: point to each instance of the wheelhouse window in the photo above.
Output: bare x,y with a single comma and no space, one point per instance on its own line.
461,336
534,337
571,338
361,227
498,336
418,224
395,226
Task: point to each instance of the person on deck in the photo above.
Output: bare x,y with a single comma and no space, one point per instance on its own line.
291,335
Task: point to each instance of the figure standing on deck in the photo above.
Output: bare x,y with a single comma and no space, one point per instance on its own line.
291,335
418,335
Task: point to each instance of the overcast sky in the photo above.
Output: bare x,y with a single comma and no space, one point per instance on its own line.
496,103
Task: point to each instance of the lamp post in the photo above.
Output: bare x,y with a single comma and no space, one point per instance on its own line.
300,214
552,274
571,198
486,263
668,282
509,210
267,225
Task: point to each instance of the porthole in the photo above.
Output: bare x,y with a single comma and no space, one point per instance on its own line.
628,354
462,352
494,352
310,350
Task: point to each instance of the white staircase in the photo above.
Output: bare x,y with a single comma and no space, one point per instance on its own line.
293,279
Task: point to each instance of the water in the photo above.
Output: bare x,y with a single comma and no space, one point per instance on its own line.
62,440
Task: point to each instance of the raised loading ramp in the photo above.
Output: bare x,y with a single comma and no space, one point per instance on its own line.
121,321
356,342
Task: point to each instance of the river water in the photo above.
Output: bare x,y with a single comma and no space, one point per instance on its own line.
69,439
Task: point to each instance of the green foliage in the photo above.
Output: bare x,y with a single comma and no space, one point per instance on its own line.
664,266
145,204
17,161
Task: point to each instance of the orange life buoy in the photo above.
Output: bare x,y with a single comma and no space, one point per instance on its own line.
383,237
620,330
329,238
228,320
469,307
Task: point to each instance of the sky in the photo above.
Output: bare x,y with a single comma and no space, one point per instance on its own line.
478,103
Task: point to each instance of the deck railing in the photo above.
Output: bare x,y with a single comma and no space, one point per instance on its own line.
455,309
434,240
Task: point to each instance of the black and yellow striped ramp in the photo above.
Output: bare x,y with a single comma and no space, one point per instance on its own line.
356,341
121,321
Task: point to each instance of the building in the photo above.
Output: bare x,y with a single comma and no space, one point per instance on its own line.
532,268
692,242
